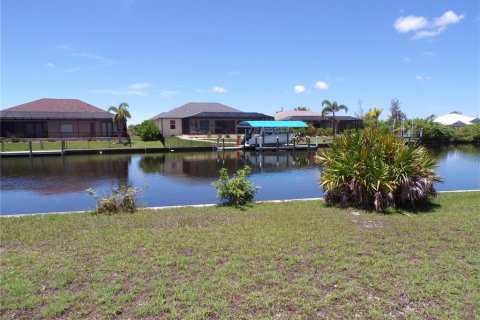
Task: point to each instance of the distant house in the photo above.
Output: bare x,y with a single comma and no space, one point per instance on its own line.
203,118
456,119
316,119
56,118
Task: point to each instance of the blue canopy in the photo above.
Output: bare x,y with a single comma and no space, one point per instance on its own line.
272,124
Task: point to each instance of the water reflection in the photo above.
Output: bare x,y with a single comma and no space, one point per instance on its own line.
60,175
199,166
459,166
466,151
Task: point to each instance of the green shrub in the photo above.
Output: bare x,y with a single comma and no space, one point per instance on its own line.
371,169
433,131
238,190
148,131
133,129
469,133
325,131
122,199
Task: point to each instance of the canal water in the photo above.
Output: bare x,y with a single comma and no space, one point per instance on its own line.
57,184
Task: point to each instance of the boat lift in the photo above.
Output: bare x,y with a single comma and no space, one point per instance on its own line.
268,134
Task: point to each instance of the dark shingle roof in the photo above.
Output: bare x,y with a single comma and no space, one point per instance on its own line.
312,118
55,109
193,108
232,115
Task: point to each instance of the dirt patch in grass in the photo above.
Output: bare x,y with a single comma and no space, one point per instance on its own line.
373,224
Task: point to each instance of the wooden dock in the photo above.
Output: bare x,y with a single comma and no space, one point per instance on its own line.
290,147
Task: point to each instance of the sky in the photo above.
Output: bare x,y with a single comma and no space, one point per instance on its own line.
253,55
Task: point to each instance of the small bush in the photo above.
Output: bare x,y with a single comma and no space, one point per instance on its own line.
325,131
148,131
236,191
122,199
15,139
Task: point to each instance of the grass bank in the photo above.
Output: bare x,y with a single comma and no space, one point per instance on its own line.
271,260
170,142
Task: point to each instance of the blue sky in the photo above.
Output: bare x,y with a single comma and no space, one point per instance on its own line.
252,55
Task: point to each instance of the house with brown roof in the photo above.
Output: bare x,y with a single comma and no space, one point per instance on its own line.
204,118
56,118
319,121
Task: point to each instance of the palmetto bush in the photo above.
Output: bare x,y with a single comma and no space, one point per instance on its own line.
371,169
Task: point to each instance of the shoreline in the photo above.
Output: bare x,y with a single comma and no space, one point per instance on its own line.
19,215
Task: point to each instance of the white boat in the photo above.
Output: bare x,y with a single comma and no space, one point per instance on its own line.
269,139
269,133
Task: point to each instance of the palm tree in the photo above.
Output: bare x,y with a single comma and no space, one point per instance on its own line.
373,115
120,117
332,107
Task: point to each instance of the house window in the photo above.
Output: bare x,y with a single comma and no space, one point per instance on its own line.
66,128
172,125
106,129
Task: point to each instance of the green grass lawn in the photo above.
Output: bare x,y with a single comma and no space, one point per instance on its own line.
170,142
291,260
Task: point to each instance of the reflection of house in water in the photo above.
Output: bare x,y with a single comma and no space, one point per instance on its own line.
205,166
68,174
192,166
278,161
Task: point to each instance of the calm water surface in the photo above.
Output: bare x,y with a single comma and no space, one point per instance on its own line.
53,184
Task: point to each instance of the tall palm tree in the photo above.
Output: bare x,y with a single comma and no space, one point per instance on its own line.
374,114
332,107
120,117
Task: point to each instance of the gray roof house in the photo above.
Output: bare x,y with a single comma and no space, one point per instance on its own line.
203,118
319,121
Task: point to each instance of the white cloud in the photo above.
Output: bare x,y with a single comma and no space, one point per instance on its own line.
428,33
50,64
407,60
75,69
423,28
428,54
421,78
299,89
140,86
218,89
234,73
409,23
447,18
168,93
94,60
320,85
199,90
